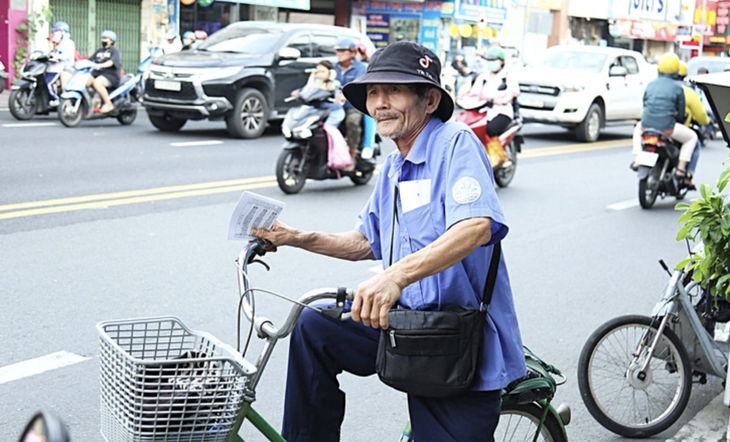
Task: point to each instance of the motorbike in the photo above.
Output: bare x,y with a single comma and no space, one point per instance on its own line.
657,163
78,104
3,76
35,92
306,148
502,150
45,427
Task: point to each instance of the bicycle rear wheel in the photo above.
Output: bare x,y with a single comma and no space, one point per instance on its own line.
617,393
519,422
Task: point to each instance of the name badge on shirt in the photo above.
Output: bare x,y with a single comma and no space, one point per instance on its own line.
414,194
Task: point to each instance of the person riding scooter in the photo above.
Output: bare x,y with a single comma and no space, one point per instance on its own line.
188,40
499,89
66,51
695,112
108,69
664,105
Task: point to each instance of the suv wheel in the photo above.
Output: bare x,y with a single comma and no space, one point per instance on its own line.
166,124
249,115
590,128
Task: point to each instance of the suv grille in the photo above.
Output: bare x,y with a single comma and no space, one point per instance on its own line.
186,92
543,90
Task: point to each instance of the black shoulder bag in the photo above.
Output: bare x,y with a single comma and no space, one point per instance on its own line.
434,353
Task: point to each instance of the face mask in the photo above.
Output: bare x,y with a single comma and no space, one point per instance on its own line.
494,65
187,42
105,44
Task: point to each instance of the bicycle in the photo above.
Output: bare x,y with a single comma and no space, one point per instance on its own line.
635,372
162,381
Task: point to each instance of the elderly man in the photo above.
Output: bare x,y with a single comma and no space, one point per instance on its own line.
433,219
349,69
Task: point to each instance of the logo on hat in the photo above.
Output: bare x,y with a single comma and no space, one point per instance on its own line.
425,61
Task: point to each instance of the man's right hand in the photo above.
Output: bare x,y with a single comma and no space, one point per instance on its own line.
279,235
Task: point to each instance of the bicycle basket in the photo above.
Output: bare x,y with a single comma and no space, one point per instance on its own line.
161,381
538,384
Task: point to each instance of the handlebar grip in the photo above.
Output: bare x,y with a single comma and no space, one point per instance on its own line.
350,294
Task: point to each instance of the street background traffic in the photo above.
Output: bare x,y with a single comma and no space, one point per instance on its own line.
103,222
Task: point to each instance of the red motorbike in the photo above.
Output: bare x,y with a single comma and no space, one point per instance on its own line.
501,150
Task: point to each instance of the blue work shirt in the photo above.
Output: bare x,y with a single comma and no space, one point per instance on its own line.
446,178
357,70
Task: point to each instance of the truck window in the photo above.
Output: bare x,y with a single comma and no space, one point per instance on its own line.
630,64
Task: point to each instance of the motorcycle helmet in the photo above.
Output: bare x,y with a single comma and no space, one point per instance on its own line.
363,50
61,26
170,34
682,69
201,35
111,35
669,64
495,53
189,34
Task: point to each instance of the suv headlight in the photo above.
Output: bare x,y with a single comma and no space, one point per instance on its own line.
573,88
216,73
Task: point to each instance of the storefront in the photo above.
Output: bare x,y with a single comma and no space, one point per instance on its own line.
650,38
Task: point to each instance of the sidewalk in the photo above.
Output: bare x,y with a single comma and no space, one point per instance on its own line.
709,425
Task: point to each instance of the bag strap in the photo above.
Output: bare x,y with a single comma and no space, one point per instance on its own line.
493,264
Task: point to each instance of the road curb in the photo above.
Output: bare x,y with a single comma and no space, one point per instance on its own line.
709,425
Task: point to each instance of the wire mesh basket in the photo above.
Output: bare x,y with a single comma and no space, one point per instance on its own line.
161,381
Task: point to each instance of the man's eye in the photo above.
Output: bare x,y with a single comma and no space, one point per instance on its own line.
394,89
372,92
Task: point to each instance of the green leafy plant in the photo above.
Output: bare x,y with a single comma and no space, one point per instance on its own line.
708,219
26,32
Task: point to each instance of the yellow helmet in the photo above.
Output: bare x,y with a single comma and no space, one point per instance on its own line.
669,64
682,69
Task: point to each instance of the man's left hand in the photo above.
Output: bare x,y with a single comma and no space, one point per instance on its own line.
373,300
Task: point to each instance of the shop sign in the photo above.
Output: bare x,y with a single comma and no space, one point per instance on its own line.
430,28
710,16
723,19
644,30
402,8
378,29
648,9
495,10
291,4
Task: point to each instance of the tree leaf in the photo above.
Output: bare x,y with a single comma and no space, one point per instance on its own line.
681,206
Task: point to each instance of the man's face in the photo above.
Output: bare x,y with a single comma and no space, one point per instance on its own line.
344,55
105,42
397,109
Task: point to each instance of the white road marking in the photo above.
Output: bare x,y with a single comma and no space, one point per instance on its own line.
196,143
39,365
623,205
29,124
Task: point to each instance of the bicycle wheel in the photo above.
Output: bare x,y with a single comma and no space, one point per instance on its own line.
518,423
615,391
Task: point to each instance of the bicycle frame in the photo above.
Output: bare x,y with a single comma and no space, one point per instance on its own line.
675,309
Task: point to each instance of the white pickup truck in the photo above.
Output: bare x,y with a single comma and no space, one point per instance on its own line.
584,88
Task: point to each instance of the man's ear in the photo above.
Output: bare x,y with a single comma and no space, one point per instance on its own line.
433,99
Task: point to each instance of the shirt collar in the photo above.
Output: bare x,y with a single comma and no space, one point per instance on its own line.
417,154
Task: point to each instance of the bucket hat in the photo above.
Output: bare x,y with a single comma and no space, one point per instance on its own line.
401,63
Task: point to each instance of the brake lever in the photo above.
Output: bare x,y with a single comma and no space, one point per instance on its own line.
262,246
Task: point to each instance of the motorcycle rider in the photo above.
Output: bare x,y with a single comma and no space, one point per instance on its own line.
65,51
500,89
188,40
368,136
459,64
171,44
349,69
108,69
664,105
695,112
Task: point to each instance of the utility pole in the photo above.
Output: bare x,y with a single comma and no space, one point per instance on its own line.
702,37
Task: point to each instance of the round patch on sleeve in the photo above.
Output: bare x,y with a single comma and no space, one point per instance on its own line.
466,190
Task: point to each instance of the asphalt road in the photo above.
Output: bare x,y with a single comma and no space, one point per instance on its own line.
106,222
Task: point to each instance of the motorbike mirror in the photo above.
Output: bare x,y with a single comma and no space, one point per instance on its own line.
45,427
289,54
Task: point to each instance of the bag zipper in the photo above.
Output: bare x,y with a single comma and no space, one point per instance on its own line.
392,338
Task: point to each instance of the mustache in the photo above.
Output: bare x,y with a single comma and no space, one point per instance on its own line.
385,115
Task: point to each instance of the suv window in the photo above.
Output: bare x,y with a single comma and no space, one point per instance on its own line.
241,40
303,44
324,45
630,64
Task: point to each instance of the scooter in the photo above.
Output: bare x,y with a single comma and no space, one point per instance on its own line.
45,427
77,103
305,152
501,150
657,163
35,93
3,76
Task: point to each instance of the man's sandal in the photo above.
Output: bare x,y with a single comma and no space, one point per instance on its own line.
685,178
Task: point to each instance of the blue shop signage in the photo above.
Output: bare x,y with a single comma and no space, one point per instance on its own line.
429,13
471,10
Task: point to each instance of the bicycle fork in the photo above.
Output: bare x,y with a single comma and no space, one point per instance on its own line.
641,375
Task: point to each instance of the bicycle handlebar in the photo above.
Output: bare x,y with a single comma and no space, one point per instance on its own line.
258,248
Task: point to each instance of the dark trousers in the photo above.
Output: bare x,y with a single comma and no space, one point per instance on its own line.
498,125
353,121
320,349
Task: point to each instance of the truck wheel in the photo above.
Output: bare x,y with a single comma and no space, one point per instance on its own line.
167,124
249,114
590,128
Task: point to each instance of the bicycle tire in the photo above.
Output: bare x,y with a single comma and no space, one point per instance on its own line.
670,360
518,423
